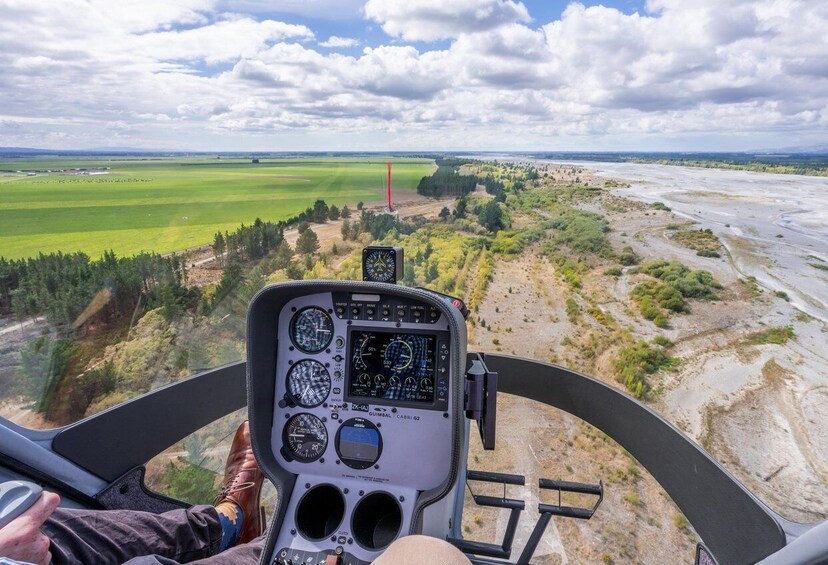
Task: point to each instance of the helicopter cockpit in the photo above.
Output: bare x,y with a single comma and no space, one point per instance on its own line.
363,399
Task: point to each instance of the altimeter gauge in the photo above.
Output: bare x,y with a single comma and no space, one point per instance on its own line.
382,264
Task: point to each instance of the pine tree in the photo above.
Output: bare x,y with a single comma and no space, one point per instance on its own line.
308,242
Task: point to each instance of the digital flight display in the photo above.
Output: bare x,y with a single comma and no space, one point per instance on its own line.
392,366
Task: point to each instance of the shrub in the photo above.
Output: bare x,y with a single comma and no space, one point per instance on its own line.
613,272
660,321
669,297
680,521
583,232
570,271
662,341
634,363
776,336
628,257
572,309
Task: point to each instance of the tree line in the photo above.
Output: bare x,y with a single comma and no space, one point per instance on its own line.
447,180
70,289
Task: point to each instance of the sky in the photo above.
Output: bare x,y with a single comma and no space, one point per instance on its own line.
376,75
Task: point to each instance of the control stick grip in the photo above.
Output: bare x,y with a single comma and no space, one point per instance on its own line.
15,498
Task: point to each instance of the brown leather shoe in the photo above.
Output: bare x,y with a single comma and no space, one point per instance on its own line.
243,485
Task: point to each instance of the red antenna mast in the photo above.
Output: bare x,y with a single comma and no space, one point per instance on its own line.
388,184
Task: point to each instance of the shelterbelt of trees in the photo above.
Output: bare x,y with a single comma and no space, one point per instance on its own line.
448,181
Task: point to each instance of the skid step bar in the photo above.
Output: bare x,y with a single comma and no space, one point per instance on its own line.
578,488
480,551
515,507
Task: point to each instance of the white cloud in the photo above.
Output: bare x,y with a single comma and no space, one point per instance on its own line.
429,20
190,73
336,41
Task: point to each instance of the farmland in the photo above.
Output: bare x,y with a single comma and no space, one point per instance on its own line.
167,204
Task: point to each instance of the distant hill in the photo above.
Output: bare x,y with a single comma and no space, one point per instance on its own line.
33,151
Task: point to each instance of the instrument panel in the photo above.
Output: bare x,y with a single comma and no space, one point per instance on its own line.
361,409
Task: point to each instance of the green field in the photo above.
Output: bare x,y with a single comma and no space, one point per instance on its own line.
170,204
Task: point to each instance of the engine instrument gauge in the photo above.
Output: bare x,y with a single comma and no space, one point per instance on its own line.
398,354
305,438
308,383
311,329
382,264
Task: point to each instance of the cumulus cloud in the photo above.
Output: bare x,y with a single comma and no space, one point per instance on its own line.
336,41
95,72
429,20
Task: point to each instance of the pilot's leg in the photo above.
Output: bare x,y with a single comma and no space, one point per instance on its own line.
179,536
115,536
421,550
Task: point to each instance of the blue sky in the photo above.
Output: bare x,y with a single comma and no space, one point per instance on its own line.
414,74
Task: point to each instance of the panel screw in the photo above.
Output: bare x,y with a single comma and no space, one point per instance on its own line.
361,493
402,499
346,491
307,485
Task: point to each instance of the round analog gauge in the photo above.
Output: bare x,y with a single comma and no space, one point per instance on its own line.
398,354
311,329
381,265
305,438
308,383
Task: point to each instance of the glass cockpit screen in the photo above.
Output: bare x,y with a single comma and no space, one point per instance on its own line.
392,366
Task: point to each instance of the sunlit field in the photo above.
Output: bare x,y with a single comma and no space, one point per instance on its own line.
169,204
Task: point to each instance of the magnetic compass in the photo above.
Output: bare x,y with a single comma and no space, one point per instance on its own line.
382,264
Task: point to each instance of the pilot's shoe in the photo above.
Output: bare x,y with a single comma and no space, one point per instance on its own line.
242,486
